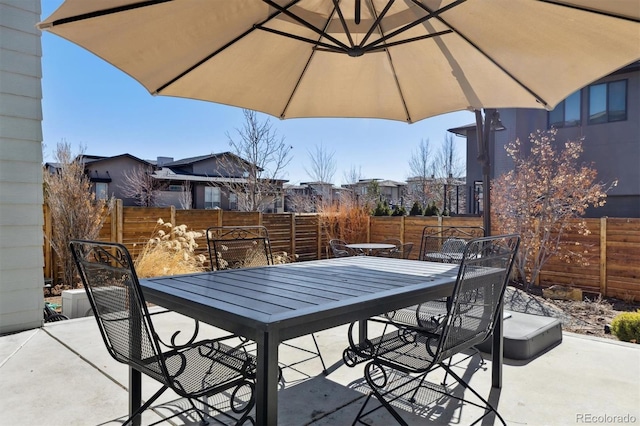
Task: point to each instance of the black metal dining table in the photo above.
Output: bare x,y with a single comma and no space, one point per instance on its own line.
275,303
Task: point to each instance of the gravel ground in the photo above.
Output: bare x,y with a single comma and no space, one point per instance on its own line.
586,317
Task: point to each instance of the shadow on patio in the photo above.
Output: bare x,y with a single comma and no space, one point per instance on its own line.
62,374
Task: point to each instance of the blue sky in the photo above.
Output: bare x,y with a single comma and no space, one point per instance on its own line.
89,103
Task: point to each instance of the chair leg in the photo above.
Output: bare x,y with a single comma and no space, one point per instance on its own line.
203,421
146,405
484,401
315,342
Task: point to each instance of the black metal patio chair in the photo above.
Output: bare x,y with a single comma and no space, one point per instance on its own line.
235,247
417,350
446,243
392,252
339,248
197,369
401,251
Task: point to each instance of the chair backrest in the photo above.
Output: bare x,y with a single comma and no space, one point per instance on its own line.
392,252
234,247
477,295
446,243
339,248
113,290
405,250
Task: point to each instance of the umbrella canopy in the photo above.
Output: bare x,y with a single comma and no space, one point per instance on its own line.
401,60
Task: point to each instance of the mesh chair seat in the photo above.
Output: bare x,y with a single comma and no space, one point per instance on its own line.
469,318
196,368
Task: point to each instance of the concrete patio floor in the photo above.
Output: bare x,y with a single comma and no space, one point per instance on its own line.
61,374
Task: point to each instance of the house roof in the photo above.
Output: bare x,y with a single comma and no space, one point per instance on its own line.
192,160
462,130
89,159
167,173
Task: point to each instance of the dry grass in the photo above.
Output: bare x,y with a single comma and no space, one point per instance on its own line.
170,251
346,220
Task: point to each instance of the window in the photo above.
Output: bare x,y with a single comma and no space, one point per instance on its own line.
608,102
102,191
566,113
175,188
211,197
233,201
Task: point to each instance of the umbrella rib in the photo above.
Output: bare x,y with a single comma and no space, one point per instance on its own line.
409,40
305,23
329,47
586,9
486,55
221,49
306,67
393,68
430,14
376,24
336,6
104,12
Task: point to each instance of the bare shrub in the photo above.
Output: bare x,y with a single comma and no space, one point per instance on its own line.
75,211
542,197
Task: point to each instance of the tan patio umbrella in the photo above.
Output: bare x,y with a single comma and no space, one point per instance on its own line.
401,60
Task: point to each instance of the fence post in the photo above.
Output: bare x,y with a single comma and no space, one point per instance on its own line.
319,232
402,218
603,256
292,221
119,221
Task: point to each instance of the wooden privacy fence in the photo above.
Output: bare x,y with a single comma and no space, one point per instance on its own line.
613,247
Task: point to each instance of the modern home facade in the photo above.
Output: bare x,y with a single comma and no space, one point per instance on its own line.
606,114
213,181
390,191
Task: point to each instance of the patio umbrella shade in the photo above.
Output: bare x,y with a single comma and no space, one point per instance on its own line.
400,60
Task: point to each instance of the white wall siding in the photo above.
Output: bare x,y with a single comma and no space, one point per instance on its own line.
21,219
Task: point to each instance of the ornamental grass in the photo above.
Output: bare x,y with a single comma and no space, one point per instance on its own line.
170,251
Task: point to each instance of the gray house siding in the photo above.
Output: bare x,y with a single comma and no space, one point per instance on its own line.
21,198
613,147
114,168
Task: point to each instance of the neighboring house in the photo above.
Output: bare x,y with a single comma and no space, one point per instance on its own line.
606,113
107,174
448,194
305,197
215,181
203,182
391,191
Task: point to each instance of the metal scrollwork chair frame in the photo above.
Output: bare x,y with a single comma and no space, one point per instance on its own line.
475,306
196,369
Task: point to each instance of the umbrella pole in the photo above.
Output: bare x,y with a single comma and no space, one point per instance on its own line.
482,136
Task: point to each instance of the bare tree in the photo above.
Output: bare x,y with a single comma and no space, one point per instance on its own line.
258,179
323,165
353,175
186,196
302,203
447,162
75,211
421,167
449,173
139,184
